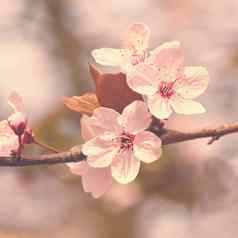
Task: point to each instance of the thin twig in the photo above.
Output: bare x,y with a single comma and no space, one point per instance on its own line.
167,136
46,147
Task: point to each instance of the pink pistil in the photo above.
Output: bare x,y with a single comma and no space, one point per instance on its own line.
126,141
166,89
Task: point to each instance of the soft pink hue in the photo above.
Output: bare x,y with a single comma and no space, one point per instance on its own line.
96,181
8,139
119,141
18,120
15,128
167,84
134,49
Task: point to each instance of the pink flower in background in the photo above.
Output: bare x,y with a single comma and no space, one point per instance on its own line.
134,49
8,139
18,120
167,83
14,128
96,181
119,141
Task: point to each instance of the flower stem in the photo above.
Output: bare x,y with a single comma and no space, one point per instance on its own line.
44,146
20,148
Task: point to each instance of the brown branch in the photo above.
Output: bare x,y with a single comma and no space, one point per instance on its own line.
170,136
48,159
167,136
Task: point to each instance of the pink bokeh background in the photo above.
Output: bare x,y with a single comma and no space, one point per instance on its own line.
192,191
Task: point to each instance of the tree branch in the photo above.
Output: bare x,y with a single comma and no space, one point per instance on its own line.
167,136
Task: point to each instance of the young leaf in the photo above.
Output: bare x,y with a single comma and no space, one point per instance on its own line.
84,104
112,90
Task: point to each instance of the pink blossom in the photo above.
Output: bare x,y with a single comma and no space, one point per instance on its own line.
15,128
96,181
8,139
167,84
134,49
119,141
18,120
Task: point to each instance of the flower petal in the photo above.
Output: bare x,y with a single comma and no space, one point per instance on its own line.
101,150
97,181
80,168
107,118
103,120
136,117
8,139
125,167
159,106
194,83
186,106
90,128
103,159
108,56
16,102
147,147
143,79
168,55
137,37
94,180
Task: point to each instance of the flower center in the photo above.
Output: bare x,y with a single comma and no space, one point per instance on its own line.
166,89
126,141
137,58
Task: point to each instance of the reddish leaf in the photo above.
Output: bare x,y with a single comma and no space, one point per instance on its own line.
83,104
112,89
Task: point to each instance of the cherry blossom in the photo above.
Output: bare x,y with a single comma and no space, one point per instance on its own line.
18,120
8,139
96,181
119,141
14,132
134,51
167,84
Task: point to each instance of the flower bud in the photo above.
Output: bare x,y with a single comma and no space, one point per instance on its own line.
28,136
18,121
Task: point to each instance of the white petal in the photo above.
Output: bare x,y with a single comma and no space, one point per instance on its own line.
80,168
108,56
159,106
101,150
186,106
97,181
194,83
137,37
136,117
168,55
125,167
8,139
143,79
104,159
107,118
90,127
103,120
16,102
147,147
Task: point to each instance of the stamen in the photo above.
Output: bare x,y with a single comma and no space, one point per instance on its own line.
126,141
166,89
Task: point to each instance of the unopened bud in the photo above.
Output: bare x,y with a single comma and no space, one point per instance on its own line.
18,121
28,137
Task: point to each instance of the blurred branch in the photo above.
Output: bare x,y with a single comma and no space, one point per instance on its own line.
170,136
167,136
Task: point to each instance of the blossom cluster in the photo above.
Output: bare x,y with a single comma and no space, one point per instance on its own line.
15,131
117,141
116,144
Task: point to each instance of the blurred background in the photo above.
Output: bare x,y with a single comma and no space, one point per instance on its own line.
191,191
